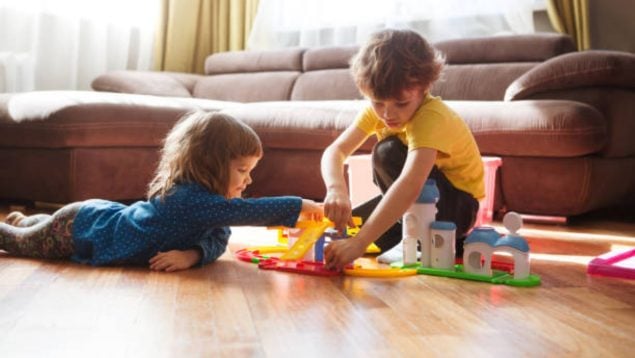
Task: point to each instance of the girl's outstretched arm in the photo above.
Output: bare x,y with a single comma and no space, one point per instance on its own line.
311,210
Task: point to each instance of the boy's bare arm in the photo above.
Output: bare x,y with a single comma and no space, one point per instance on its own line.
401,194
337,204
397,200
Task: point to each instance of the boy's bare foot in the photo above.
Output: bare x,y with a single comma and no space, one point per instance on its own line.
14,218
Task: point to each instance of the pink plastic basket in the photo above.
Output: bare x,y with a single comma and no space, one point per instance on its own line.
486,208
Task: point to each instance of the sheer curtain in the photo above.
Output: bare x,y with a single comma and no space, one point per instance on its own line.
285,23
64,44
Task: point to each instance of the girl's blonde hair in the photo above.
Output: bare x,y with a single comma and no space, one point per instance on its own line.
393,61
199,149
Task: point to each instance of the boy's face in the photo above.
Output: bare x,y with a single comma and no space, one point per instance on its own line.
240,175
395,112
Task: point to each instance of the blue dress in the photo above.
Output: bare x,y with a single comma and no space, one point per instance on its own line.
190,217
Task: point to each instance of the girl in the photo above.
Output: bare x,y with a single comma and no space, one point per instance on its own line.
194,197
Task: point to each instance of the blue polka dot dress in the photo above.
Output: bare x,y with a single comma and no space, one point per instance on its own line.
190,217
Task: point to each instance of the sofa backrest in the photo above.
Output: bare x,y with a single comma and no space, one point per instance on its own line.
483,68
477,69
250,76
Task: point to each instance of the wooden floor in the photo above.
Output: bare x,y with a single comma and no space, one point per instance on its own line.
231,308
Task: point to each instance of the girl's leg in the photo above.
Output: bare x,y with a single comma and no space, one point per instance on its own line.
16,218
50,237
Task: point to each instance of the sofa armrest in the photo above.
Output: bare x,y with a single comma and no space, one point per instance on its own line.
593,68
172,84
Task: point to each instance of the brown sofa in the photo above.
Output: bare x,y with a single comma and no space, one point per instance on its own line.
561,120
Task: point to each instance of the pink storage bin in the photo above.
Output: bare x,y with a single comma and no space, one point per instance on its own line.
360,179
361,187
486,205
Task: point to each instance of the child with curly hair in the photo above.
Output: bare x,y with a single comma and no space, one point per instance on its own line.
419,137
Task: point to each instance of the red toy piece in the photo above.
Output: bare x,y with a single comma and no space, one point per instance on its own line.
304,267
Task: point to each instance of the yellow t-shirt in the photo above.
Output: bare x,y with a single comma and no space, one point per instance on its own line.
434,125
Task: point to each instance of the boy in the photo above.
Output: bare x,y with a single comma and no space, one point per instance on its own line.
418,137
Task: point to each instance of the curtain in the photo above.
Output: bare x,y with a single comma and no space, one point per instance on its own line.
285,23
191,30
571,17
65,44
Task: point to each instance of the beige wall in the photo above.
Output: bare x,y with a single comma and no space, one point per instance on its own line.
542,22
611,24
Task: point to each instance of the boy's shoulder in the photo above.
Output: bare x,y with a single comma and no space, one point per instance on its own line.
434,103
434,107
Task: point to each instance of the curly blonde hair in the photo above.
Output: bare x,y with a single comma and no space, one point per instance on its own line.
393,61
199,149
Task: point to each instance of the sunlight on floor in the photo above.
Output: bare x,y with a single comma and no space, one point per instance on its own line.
246,236
557,233
577,236
575,259
254,236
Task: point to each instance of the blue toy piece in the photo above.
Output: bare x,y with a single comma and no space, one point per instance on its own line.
430,193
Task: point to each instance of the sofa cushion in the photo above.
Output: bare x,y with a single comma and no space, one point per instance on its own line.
63,119
584,69
512,48
479,82
247,87
602,79
169,84
334,84
302,125
254,61
322,58
547,128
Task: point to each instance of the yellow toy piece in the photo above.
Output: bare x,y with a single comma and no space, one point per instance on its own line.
313,230
268,249
373,249
312,233
379,272
283,238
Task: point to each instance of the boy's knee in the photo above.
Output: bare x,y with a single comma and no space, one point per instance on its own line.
389,150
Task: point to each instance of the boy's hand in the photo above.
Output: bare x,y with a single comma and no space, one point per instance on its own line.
337,207
311,211
174,260
342,252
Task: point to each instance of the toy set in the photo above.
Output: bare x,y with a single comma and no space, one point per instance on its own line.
436,240
304,252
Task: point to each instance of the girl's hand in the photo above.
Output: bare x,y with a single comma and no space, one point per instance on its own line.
337,207
174,260
311,211
342,252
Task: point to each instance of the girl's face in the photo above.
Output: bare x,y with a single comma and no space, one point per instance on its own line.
240,175
395,112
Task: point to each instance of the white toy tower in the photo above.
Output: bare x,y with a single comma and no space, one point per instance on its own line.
442,250
516,244
416,224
